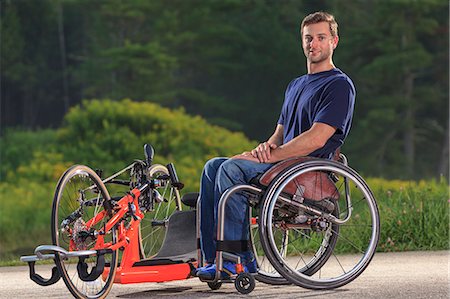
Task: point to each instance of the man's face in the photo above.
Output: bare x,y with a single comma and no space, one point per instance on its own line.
318,43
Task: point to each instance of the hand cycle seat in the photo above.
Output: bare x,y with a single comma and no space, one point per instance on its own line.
190,199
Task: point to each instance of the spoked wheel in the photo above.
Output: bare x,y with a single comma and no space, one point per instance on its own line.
266,272
323,251
166,201
79,196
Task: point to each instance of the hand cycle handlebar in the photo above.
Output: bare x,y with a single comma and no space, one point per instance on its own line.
173,177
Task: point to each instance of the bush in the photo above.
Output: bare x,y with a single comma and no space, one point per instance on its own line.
25,213
18,148
100,134
109,135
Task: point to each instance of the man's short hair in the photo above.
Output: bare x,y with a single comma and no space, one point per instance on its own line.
319,17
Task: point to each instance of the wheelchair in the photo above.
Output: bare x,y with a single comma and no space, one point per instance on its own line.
312,222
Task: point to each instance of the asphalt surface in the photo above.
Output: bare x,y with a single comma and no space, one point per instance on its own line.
390,275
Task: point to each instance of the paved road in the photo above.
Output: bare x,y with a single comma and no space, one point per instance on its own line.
390,275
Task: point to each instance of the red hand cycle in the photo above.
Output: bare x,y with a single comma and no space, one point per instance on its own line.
313,223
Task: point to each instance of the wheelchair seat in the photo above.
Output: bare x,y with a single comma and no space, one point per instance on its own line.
312,186
315,187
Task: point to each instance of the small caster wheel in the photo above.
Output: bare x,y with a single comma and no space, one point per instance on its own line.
244,283
214,285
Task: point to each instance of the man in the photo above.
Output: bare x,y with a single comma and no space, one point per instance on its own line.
314,121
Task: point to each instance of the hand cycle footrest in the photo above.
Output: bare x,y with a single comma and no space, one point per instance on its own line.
42,253
62,252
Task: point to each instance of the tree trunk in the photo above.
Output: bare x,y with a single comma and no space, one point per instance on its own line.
409,132
408,89
443,167
62,49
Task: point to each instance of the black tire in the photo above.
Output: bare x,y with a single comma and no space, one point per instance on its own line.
244,283
153,227
321,258
266,272
70,232
214,285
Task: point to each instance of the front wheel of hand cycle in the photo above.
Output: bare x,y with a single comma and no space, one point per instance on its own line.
166,201
327,255
79,196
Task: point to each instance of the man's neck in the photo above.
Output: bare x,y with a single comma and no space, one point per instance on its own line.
324,66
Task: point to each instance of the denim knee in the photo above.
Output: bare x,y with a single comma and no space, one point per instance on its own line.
211,167
232,170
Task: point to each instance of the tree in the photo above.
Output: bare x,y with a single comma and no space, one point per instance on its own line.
397,81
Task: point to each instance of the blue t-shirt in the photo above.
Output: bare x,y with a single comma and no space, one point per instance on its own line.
326,97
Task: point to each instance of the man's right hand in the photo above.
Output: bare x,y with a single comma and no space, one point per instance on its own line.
262,151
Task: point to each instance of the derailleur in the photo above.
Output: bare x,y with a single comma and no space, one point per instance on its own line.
319,224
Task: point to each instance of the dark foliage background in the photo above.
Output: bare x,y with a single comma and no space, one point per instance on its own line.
229,62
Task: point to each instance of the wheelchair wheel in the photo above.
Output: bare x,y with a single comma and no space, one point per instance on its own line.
79,196
266,272
322,253
153,227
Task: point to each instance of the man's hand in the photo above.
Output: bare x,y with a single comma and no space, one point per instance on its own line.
246,156
262,151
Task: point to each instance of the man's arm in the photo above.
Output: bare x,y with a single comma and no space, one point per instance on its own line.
277,136
262,151
307,142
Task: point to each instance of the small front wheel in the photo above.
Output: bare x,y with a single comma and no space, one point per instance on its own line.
214,285
244,283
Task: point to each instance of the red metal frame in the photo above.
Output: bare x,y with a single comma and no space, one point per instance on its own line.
128,239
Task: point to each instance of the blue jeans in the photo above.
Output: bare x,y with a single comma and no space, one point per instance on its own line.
218,175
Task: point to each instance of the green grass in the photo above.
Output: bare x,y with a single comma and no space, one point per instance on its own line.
414,216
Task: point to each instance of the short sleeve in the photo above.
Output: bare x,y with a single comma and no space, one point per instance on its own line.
282,118
336,105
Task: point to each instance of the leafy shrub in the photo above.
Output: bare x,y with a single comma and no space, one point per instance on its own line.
18,147
25,213
109,135
100,134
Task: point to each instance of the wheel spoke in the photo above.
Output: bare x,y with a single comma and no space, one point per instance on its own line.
350,242
152,234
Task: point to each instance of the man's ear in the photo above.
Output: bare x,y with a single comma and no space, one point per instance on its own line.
335,41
